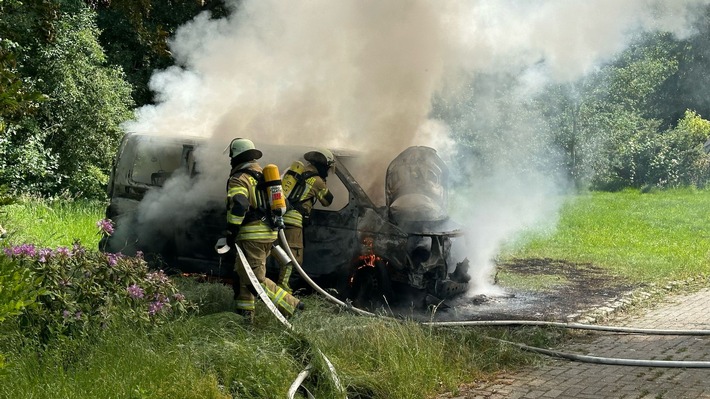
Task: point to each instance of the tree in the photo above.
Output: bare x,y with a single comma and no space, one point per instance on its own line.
687,88
604,122
17,95
68,142
135,34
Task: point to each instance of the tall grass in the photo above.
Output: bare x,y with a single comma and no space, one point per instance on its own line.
645,237
215,354
52,223
220,356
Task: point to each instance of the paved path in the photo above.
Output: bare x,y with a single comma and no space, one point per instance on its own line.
567,379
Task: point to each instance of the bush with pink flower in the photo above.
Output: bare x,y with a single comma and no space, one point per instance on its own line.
77,289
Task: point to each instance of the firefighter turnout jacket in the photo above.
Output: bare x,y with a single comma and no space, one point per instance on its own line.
312,187
246,205
247,211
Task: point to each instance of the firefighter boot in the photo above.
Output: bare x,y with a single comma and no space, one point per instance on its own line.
284,275
285,302
248,315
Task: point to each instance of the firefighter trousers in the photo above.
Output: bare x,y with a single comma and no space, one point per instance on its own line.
256,254
294,238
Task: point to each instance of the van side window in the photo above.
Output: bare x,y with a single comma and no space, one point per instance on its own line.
153,165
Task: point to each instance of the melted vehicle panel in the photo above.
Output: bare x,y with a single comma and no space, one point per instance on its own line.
408,242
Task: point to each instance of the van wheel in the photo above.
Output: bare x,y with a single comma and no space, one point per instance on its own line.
370,287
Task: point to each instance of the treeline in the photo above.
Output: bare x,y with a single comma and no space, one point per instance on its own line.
638,121
71,71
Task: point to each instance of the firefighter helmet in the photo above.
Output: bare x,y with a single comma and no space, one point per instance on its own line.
320,156
243,150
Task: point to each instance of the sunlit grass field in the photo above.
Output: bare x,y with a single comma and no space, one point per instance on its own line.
52,223
645,237
649,237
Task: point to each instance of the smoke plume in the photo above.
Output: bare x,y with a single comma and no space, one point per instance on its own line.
379,76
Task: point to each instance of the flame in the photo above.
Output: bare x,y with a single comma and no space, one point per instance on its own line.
368,259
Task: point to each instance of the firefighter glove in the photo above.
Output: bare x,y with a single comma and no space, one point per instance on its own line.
231,232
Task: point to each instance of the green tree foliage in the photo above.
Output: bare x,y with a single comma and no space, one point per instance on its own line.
646,152
135,34
17,96
609,131
688,88
67,144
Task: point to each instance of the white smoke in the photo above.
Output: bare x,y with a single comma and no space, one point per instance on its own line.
365,75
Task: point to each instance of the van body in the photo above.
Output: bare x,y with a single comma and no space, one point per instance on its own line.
402,251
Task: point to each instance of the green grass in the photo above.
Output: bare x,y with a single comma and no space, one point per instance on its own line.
219,356
645,237
213,354
53,223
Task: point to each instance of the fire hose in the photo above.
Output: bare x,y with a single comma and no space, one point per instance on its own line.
270,305
548,352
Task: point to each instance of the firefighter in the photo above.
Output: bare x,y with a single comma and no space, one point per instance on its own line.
309,186
249,227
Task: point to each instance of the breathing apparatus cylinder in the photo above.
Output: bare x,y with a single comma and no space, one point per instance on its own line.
274,193
280,255
290,178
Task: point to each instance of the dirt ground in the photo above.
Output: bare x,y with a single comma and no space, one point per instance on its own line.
546,289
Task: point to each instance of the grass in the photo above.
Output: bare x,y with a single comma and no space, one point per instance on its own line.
214,354
218,356
644,237
52,223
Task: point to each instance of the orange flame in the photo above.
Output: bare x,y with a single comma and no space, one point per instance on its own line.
366,260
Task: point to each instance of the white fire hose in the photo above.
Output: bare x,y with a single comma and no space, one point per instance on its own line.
270,305
569,356
284,243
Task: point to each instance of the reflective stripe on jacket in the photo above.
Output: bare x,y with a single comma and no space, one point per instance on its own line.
242,189
315,188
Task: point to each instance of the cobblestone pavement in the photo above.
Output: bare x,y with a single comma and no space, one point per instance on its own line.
567,379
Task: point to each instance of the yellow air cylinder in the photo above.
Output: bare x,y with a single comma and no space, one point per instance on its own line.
290,178
274,191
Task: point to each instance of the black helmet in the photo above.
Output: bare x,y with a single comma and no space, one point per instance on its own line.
320,156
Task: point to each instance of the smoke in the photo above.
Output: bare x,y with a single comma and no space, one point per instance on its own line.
379,76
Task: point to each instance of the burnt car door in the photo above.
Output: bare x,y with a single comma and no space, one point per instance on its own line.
194,240
330,237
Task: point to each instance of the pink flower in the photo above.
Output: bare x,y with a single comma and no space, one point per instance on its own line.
112,259
158,277
105,226
134,291
63,252
44,255
155,307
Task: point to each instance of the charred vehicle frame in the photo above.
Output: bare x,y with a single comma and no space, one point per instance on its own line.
368,254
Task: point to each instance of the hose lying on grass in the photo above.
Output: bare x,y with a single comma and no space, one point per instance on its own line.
577,326
270,305
569,356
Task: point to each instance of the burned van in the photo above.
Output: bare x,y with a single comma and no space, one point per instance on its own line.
167,205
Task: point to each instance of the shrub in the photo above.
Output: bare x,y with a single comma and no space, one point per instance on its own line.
82,290
644,156
17,289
